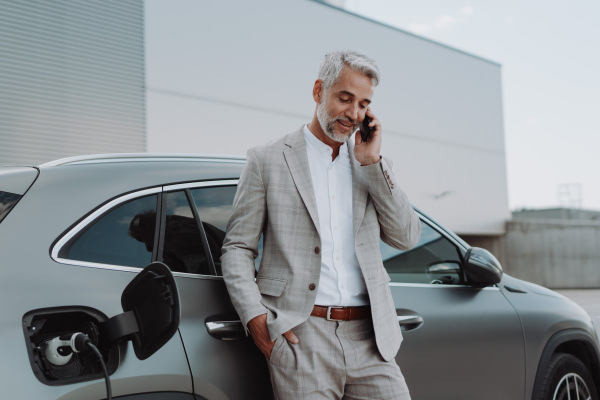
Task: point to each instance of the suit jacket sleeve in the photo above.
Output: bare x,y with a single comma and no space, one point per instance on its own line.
399,223
240,246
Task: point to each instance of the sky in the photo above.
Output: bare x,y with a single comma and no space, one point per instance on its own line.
550,56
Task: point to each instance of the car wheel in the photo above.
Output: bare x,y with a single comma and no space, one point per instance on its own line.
566,378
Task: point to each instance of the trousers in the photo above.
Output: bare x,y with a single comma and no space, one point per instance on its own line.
334,360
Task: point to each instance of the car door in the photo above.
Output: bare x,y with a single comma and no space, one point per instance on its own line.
460,342
224,362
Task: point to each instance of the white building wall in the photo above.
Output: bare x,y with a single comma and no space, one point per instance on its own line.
224,76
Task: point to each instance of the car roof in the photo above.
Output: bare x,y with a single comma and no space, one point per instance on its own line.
133,157
92,178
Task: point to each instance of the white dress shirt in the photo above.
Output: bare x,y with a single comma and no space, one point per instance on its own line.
341,282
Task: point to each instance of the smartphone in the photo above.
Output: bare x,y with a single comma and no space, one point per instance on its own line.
365,130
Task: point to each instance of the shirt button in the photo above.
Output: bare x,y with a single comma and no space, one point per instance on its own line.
317,250
312,286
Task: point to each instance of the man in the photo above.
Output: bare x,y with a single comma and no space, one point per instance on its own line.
320,309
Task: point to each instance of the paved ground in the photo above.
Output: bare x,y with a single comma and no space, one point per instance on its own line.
589,299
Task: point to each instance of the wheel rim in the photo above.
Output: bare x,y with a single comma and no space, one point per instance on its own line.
572,387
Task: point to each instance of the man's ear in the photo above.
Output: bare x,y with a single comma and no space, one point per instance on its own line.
318,91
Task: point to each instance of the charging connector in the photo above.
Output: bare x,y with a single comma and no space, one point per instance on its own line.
59,351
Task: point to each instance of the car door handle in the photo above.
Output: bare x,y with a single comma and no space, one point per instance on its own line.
226,330
409,322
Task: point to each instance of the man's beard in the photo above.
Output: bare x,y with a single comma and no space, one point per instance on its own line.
327,123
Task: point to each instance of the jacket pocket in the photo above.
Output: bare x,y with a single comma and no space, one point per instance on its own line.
271,286
381,276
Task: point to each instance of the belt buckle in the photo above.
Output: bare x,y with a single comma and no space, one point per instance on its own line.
328,317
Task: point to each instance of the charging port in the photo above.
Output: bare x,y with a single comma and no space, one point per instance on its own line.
52,361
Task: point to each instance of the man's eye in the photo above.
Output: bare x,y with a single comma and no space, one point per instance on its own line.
344,100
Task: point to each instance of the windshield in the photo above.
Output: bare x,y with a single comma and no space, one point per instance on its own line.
7,202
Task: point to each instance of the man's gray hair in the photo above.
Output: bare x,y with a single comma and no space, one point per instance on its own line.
334,63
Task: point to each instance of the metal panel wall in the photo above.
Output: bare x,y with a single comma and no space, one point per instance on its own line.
71,79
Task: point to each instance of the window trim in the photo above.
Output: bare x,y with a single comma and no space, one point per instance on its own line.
195,185
157,244
94,215
201,232
434,225
437,286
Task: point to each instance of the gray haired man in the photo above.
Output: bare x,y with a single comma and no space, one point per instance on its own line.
320,308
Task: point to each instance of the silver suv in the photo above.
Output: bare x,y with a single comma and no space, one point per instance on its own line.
75,234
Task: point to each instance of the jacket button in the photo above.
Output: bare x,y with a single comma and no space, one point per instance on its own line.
312,286
317,250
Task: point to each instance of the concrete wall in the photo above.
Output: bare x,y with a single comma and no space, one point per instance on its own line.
554,253
223,76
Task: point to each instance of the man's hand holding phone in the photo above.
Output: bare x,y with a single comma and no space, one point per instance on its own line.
368,140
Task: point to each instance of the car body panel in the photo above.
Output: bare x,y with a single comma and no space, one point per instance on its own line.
544,314
221,369
17,179
453,343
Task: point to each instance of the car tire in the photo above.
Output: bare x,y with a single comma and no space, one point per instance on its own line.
566,377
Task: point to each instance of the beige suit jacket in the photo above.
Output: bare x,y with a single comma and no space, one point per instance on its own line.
275,197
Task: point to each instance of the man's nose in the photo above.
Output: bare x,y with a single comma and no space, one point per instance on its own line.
352,112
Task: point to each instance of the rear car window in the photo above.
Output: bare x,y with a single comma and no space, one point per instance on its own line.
123,236
7,202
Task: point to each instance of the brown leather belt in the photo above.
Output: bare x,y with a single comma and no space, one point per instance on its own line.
341,313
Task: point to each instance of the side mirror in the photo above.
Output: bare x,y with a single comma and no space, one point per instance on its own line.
481,267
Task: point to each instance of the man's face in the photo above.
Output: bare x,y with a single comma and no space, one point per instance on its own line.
343,106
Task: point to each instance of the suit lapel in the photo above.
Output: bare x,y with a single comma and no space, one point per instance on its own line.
297,161
360,192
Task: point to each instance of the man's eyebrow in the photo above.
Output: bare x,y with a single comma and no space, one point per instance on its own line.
347,93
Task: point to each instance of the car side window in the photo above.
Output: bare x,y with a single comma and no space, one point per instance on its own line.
215,205
182,249
122,236
433,260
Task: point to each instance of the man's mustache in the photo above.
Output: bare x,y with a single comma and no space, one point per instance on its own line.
349,120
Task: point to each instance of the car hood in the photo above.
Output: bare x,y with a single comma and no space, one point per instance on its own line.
514,284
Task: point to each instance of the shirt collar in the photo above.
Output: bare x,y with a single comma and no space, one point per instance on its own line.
313,141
